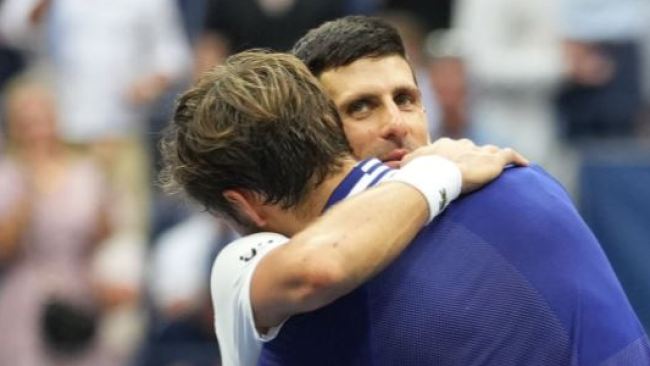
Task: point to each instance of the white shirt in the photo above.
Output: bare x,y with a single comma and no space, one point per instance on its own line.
179,264
239,342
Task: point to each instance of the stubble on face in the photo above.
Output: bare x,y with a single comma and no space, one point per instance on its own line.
379,86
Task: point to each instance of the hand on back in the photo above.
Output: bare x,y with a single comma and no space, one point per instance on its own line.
479,165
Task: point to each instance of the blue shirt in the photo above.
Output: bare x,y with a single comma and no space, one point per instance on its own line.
509,275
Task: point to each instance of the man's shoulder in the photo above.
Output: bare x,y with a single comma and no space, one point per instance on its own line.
244,252
527,179
230,283
521,200
234,265
530,188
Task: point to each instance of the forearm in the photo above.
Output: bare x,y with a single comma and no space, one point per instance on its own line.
345,247
8,240
362,235
12,228
358,239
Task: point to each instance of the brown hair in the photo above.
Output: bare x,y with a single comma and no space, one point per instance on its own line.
260,122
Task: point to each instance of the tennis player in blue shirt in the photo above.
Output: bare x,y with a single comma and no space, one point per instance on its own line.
508,275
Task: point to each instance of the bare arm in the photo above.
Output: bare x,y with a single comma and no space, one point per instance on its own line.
351,243
12,227
211,50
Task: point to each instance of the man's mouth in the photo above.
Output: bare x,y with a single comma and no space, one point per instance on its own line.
393,158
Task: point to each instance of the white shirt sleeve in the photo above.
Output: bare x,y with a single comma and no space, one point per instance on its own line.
239,342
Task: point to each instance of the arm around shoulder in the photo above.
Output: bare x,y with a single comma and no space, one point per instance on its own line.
351,243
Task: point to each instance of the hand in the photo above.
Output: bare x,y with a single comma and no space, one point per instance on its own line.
37,14
113,296
478,165
587,65
147,89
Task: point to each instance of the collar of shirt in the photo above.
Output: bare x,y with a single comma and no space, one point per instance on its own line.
364,175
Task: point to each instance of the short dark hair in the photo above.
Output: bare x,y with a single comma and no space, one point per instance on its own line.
342,41
259,122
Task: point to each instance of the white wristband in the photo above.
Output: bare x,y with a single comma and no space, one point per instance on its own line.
438,179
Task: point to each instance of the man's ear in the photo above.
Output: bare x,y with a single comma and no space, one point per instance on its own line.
248,204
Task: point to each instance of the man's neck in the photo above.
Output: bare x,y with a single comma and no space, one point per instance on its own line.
295,220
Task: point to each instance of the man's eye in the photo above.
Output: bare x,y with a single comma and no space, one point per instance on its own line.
404,99
358,108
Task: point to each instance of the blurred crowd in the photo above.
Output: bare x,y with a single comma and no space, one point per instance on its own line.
98,267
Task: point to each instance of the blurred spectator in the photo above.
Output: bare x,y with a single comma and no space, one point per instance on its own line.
11,62
448,79
646,59
514,59
53,214
111,60
363,7
433,15
234,25
181,262
179,288
192,13
644,127
603,39
600,106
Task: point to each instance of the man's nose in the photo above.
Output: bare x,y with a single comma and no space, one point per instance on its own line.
394,127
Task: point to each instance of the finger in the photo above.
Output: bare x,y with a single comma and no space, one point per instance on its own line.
518,158
511,156
466,142
405,159
490,148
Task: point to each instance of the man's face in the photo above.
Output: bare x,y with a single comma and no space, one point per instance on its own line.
380,106
32,117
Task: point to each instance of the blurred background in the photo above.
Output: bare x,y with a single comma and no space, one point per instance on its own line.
98,267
